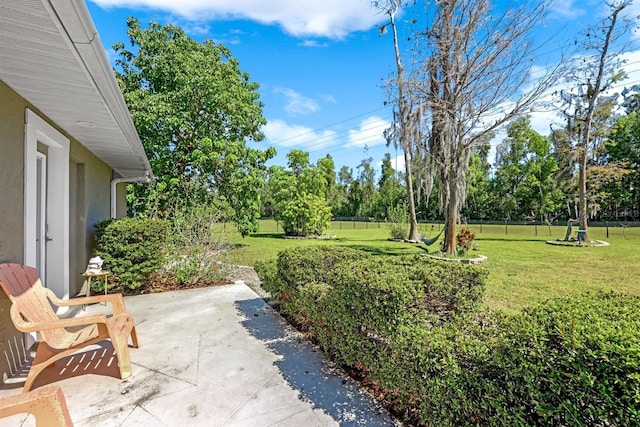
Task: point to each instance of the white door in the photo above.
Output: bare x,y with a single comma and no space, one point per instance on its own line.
46,203
41,216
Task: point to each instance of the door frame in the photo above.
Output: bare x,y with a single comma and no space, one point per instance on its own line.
37,130
41,214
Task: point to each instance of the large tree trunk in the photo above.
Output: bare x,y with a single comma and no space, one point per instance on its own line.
593,91
582,193
413,222
450,246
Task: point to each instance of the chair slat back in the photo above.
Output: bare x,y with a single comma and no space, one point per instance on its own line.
24,288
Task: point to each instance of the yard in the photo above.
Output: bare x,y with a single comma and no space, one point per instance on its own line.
523,270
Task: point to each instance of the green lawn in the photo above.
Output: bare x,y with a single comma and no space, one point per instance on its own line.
523,270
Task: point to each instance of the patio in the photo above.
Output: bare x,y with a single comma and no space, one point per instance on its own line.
209,357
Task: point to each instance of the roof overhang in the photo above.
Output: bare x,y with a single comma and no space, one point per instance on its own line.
52,56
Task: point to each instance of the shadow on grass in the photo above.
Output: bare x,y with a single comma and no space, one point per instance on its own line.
395,251
267,236
515,239
233,246
280,236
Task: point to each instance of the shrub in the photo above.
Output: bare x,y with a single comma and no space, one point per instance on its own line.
415,329
132,249
464,239
195,244
306,215
571,361
398,221
353,302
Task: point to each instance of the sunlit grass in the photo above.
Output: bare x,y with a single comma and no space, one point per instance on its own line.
523,269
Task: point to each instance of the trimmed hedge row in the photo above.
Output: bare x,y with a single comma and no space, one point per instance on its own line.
416,329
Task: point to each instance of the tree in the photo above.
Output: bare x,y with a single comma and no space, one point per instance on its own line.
299,193
194,109
525,172
471,67
390,190
594,77
476,64
326,166
405,129
367,187
623,149
479,198
341,206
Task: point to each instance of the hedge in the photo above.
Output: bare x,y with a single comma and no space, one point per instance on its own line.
416,329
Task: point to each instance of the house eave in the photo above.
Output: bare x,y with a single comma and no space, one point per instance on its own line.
52,56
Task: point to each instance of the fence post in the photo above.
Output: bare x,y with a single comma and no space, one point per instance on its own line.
505,227
607,224
536,225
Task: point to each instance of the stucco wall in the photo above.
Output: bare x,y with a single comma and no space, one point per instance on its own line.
12,109
89,195
90,181
11,210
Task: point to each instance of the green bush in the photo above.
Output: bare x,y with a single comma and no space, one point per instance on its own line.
572,361
132,249
306,215
416,330
398,221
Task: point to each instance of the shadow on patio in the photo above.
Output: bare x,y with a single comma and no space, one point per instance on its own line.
210,357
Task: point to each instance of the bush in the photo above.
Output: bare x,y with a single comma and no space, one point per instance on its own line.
464,239
571,361
415,329
305,215
398,221
132,249
353,303
195,244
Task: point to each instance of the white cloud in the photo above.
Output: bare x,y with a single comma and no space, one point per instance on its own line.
369,134
567,9
313,43
296,103
282,134
300,18
397,163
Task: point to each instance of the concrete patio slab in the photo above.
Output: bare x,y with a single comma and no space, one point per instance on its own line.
214,356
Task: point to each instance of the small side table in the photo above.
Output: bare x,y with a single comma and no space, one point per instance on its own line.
102,275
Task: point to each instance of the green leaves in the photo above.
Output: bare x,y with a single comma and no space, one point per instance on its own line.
194,109
300,195
415,329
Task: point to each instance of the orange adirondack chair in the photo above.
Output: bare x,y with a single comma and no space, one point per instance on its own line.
31,312
46,404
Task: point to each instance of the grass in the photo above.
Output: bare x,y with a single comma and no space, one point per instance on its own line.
523,270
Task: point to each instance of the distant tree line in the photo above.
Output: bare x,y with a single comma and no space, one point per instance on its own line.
533,177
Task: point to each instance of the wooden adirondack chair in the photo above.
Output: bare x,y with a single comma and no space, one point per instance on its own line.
46,404
31,311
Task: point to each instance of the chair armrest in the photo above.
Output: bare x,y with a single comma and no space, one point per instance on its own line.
116,301
26,326
47,405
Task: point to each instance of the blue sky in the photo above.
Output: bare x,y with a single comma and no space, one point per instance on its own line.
321,64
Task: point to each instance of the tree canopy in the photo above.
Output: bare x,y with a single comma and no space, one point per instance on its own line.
194,109
300,194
